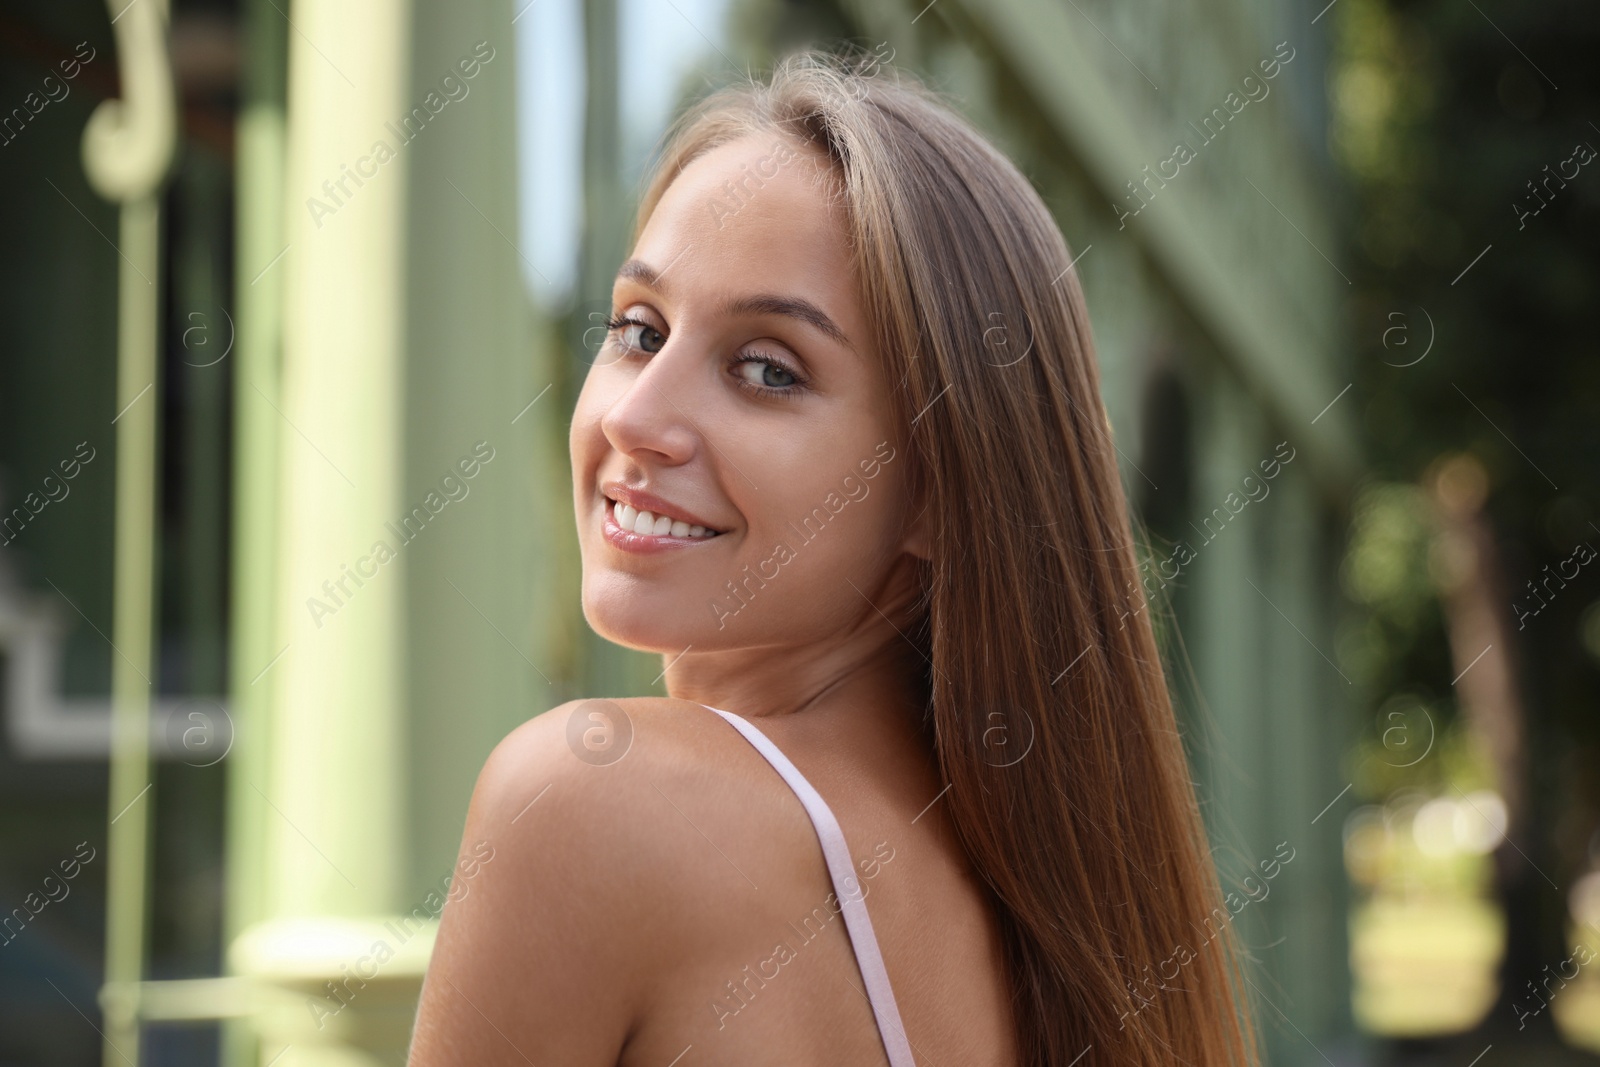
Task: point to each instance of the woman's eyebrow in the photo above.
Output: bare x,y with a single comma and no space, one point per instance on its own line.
757,304
793,306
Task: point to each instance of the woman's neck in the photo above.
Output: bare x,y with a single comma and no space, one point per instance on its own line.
869,661
859,670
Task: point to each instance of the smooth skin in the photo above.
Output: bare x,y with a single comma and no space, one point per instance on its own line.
625,896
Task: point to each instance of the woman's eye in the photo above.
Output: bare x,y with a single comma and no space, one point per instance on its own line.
648,339
766,373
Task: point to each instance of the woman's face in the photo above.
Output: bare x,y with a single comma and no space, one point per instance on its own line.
739,402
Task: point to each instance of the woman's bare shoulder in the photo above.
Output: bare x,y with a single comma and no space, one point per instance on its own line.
596,757
604,785
605,819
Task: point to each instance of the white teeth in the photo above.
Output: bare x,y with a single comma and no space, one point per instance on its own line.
648,524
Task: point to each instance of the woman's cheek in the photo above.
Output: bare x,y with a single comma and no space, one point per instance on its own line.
586,439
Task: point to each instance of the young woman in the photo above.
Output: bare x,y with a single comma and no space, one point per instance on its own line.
917,795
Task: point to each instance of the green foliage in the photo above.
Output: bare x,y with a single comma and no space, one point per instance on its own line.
1443,116
1386,572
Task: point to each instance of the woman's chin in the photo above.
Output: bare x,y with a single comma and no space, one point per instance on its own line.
633,622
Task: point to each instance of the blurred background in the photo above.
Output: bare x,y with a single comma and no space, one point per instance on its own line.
297,298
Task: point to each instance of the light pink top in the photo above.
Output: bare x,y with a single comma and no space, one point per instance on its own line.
846,886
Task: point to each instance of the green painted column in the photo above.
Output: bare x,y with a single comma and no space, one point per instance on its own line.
326,764
127,150
1308,703
389,599
133,626
490,636
257,428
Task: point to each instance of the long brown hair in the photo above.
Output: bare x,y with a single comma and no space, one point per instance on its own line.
1084,823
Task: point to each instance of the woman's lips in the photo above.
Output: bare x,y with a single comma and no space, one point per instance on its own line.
620,525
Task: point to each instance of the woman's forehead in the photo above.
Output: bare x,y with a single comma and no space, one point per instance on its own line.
753,215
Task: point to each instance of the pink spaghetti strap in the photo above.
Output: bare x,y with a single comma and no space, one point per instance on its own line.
845,886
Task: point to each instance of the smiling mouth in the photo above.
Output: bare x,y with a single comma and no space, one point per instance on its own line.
650,524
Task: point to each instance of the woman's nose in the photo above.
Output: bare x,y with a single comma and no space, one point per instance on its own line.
652,414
